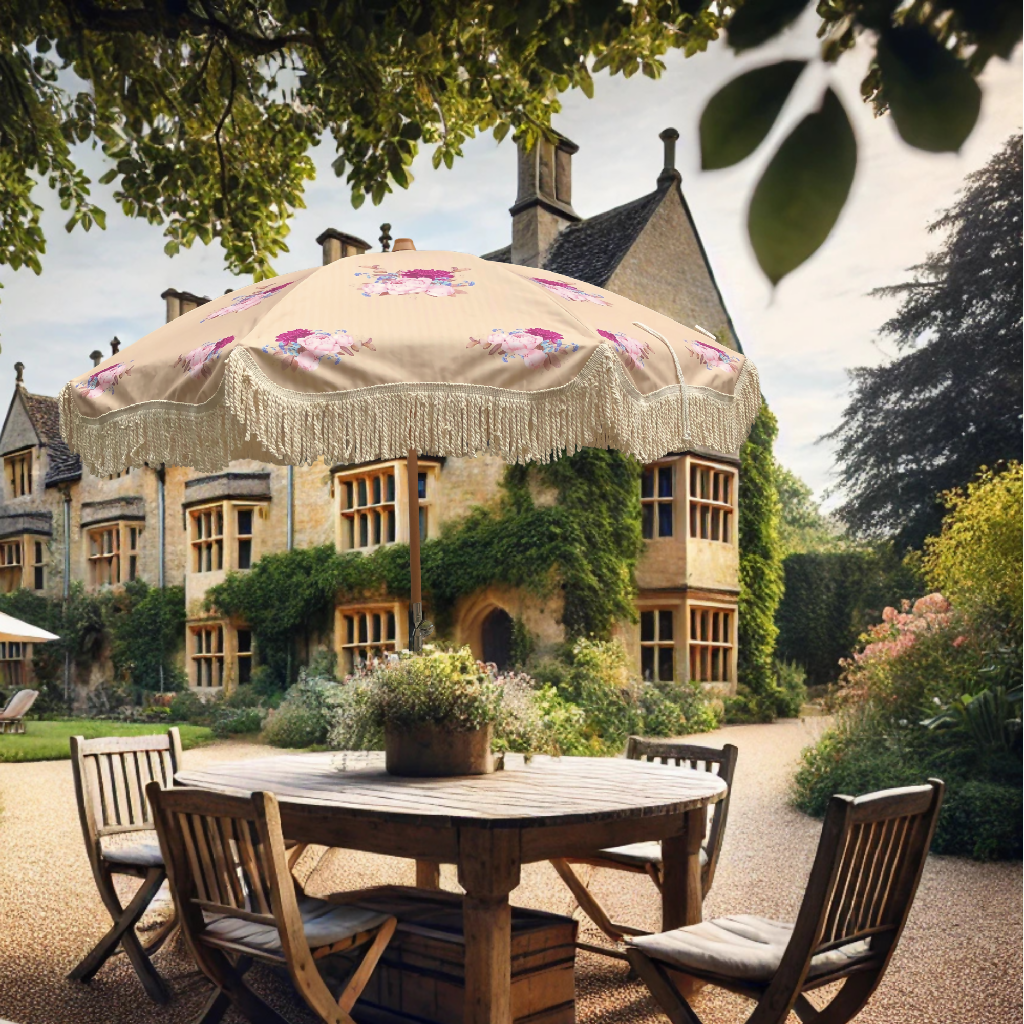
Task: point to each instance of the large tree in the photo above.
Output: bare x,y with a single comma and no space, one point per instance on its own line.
950,403
206,109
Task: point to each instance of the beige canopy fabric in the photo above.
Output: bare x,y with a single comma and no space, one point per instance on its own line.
13,630
440,353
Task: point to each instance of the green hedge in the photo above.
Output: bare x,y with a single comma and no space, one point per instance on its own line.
832,597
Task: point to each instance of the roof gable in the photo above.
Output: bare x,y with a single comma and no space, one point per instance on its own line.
592,249
19,430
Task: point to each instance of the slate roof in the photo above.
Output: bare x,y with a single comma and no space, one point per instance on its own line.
591,249
63,465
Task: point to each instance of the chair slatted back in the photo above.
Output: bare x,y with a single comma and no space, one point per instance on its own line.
867,869
720,762
111,775
223,857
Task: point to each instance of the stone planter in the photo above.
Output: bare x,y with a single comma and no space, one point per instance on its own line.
429,750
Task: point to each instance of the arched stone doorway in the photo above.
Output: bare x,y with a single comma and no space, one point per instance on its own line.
496,638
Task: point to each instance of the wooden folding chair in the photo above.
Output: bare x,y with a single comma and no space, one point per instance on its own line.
869,862
237,902
645,858
111,776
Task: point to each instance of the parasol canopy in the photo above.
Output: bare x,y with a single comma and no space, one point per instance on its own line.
439,353
13,630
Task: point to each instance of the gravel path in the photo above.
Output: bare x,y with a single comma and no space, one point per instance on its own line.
959,961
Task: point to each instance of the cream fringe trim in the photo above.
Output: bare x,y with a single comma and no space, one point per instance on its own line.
252,417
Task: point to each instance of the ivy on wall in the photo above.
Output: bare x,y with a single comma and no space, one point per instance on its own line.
588,542
761,576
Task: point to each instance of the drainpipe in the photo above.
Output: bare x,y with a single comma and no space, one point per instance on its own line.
67,584
291,508
161,548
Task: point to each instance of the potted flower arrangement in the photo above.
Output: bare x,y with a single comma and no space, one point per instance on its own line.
437,710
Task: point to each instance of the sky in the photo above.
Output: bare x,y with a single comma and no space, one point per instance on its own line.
803,335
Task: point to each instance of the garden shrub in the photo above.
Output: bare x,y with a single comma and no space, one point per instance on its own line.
186,706
935,689
306,715
234,721
791,689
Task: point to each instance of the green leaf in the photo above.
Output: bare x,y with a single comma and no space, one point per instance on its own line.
932,97
757,21
740,115
109,176
802,191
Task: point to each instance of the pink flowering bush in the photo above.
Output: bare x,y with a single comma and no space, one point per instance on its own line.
916,655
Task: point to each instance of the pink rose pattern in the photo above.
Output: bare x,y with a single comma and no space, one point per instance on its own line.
302,349
713,357
105,380
199,362
439,283
243,302
632,351
536,346
564,290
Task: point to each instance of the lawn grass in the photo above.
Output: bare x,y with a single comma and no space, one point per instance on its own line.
48,741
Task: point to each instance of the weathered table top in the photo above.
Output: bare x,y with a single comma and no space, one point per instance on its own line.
540,793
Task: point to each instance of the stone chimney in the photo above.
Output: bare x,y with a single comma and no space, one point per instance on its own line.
115,345
180,303
543,205
669,175
19,375
96,356
337,245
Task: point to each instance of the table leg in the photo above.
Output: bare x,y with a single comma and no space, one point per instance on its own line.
488,871
681,896
428,874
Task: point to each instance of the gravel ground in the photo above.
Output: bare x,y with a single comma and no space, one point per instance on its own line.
959,960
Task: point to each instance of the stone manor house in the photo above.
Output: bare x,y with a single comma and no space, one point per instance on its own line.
172,525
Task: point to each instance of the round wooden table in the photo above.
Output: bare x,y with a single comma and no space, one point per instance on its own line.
489,825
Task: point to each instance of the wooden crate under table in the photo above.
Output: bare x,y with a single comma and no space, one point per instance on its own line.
421,978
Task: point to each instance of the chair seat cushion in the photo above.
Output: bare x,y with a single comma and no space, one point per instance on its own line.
138,849
324,924
744,946
641,854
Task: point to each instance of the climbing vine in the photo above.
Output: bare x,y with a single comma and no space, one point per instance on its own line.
587,542
761,575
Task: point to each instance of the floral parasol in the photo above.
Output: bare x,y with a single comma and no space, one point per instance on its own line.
440,353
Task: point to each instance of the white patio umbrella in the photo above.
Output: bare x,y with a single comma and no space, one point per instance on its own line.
390,355
13,630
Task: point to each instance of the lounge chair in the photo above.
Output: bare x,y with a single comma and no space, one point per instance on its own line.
645,858
237,902
869,862
12,716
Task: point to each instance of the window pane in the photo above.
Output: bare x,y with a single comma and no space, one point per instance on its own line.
647,626
362,629
361,492
244,670
244,554
421,486
647,521
666,663
376,490
350,629
423,524
647,662
389,487
364,531
376,527
664,518
346,496
647,484
245,521
665,624
390,518
375,634
244,641
391,626
664,481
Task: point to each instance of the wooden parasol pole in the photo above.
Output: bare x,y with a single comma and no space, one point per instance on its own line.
420,629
